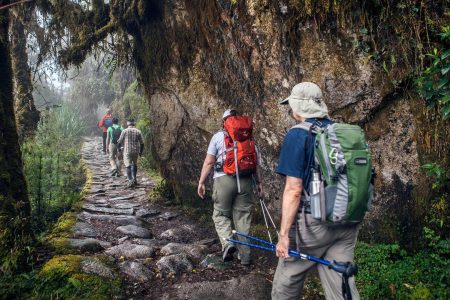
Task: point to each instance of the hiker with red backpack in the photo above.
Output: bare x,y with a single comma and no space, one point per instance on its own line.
328,187
233,155
105,122
113,135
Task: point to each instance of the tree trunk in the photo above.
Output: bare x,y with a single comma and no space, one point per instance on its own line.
15,231
27,116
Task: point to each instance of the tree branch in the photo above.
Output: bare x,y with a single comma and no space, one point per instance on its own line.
14,3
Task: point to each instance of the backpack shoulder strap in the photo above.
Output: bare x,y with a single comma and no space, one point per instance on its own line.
305,126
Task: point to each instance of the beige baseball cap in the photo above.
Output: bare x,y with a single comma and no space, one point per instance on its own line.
306,100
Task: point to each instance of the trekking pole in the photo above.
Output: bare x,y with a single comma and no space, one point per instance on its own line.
347,269
265,211
253,238
270,217
265,219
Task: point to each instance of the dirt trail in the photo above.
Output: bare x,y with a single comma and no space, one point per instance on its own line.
157,251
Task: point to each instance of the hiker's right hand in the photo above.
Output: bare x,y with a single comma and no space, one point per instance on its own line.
201,190
283,246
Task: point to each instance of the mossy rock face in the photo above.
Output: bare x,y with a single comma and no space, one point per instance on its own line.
62,277
58,238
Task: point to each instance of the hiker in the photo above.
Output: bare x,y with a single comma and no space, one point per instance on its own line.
133,146
113,135
298,227
105,123
232,194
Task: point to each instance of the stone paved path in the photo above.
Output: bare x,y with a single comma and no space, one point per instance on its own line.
158,252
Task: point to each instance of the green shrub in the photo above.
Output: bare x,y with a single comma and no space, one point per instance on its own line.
52,165
388,272
434,84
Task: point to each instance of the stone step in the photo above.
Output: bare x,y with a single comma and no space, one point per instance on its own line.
105,210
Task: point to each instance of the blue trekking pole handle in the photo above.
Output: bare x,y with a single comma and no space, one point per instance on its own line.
273,246
271,249
346,268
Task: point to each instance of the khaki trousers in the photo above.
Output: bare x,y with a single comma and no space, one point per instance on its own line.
233,207
114,157
329,243
130,159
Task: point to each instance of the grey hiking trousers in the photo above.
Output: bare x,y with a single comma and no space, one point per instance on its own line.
330,243
114,157
233,207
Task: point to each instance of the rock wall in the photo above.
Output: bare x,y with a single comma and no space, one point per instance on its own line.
202,57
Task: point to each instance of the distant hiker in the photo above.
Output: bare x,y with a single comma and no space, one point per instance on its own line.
298,226
232,191
105,123
133,146
114,133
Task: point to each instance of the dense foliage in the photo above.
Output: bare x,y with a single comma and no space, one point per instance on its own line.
434,84
388,272
52,165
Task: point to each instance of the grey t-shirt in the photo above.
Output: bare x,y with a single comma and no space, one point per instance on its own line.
217,148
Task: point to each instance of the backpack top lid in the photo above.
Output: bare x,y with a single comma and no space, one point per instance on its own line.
238,128
108,121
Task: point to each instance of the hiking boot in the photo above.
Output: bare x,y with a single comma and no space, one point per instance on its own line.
114,172
130,184
245,263
129,176
228,253
118,174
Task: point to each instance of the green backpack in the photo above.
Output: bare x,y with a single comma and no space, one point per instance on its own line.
343,159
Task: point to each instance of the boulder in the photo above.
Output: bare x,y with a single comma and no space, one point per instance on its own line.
175,264
85,245
136,270
215,262
93,266
195,252
134,231
131,251
154,243
181,234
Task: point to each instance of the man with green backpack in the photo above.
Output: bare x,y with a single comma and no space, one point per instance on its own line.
327,169
112,148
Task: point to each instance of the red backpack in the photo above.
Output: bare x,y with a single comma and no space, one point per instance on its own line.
241,157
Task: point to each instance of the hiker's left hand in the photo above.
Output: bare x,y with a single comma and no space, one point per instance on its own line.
283,246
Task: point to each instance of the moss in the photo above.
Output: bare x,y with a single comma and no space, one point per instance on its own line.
57,239
61,277
64,224
88,184
61,265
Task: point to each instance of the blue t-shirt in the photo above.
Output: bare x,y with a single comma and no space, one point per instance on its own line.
297,153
